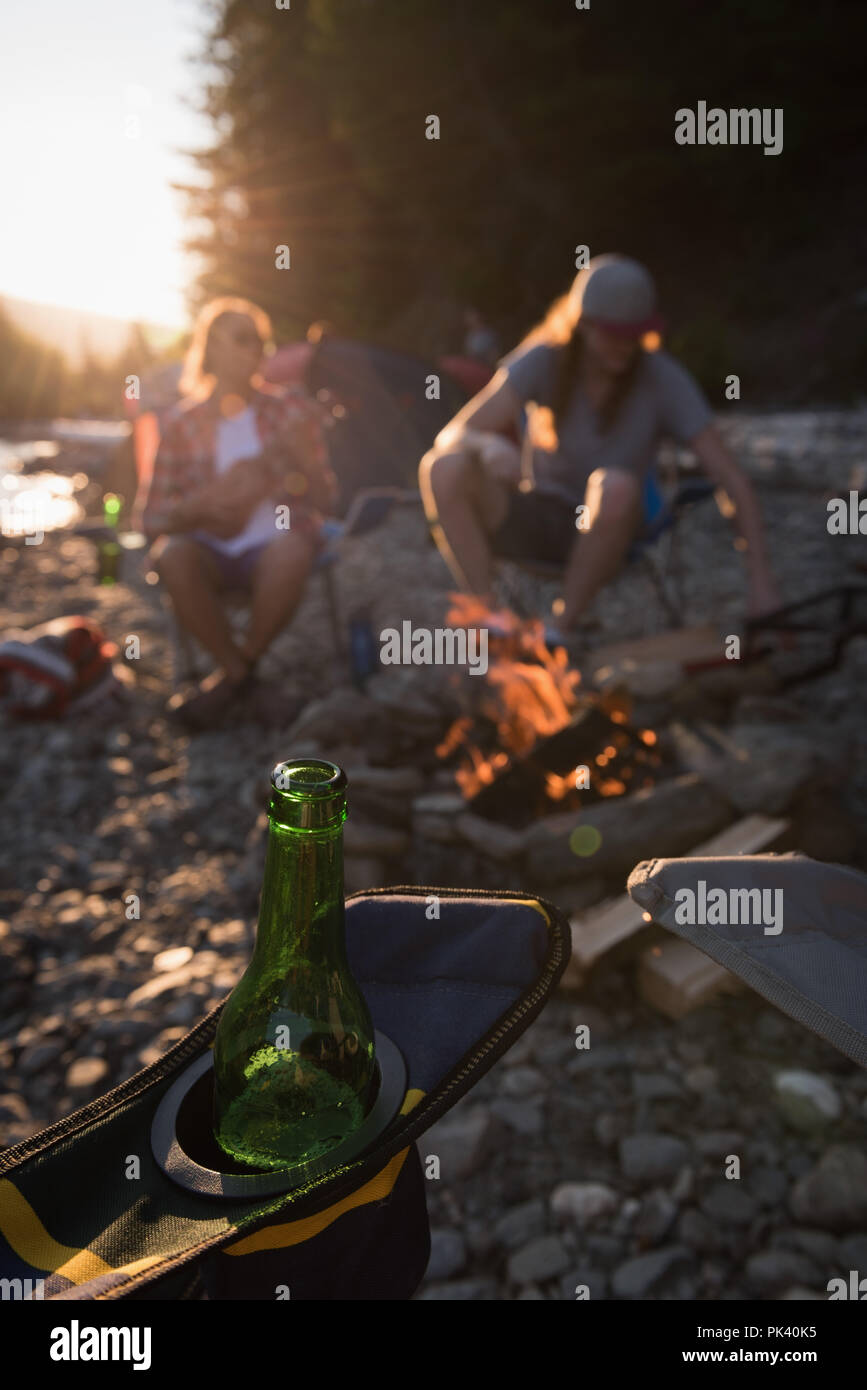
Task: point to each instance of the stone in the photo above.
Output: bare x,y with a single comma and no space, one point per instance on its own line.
463,1140
771,1271
650,1158
818,1245
448,1254
650,1085
583,1202
718,1143
36,1059
768,1185
806,1100
460,1291
609,1129
173,958
363,838
852,1251
542,1258
603,1057
728,1205
521,1224
496,841
702,1079
85,1072
523,1116
694,1229
833,1194
518,1082
656,1216
638,1277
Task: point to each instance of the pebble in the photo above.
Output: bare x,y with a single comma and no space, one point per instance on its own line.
636,1278
523,1116
448,1254
521,1224
728,1204
768,1185
542,1258
771,1271
649,1158
460,1291
462,1140
85,1072
807,1101
701,1079
833,1194
656,1086
697,1231
609,1129
583,1202
656,1217
719,1143
518,1082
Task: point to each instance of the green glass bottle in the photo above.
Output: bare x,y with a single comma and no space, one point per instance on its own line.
109,548
294,1058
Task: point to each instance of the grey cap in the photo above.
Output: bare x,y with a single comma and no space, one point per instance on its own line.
617,292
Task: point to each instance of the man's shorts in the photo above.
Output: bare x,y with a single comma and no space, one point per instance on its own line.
539,529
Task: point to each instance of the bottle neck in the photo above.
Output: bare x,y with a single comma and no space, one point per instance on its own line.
301,916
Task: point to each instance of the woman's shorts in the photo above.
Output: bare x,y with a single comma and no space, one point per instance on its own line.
539,528
236,571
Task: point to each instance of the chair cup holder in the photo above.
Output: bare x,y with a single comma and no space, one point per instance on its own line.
183,1143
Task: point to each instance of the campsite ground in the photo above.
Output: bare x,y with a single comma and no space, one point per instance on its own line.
94,811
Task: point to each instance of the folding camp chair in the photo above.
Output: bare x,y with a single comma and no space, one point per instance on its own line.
367,511
660,515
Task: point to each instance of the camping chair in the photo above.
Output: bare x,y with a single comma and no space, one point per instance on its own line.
660,515
368,510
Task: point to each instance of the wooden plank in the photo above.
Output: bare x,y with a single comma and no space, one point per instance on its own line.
683,644
595,932
676,977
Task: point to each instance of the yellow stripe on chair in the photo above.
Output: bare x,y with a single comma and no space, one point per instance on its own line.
30,1240
293,1232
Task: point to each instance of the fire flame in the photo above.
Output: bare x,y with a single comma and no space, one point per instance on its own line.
529,694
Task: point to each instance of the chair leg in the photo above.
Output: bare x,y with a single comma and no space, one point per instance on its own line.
330,583
671,610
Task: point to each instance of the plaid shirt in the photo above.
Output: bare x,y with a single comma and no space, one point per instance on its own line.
185,458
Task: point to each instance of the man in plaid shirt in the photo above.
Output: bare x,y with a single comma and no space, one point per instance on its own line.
240,484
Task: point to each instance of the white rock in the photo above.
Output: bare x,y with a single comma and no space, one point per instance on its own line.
583,1202
806,1100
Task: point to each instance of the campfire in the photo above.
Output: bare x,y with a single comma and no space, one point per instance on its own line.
532,738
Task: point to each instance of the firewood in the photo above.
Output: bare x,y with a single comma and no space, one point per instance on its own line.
676,977
595,932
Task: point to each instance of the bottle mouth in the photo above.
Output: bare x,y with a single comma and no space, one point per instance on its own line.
308,794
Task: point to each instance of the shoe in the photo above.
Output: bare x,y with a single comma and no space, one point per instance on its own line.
209,703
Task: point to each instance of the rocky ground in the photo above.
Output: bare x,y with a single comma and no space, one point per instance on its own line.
604,1168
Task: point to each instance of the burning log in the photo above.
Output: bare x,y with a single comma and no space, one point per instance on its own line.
529,737
613,835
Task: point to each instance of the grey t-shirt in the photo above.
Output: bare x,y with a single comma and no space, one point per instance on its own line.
665,400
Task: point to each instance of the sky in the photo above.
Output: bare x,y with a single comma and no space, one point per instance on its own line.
92,115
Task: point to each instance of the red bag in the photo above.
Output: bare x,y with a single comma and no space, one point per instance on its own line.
48,669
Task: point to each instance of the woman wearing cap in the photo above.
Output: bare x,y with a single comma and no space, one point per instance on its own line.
237,462
608,398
